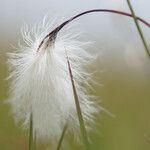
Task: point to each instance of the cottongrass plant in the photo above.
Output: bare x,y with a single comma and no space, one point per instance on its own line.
41,84
48,78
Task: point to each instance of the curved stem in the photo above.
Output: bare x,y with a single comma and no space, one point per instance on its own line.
53,34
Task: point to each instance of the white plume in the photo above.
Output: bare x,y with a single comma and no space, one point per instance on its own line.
41,83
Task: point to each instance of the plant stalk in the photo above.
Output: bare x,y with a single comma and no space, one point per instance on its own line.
61,138
139,29
78,108
53,34
31,133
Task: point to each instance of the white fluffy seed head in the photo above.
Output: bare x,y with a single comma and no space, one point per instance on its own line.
41,83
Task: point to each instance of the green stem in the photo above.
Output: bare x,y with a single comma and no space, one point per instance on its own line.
31,133
139,29
62,137
34,142
79,113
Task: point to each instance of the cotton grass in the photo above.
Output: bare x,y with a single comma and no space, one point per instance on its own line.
41,83
48,82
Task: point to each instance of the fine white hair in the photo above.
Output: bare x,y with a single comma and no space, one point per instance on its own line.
41,85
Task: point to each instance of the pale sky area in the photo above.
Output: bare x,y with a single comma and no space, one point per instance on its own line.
113,35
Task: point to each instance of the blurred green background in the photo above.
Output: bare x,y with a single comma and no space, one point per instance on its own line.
123,93
122,70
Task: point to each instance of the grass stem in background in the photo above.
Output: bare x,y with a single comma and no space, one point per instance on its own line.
62,137
139,29
34,142
31,133
79,112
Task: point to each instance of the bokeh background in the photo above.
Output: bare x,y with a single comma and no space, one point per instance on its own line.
122,70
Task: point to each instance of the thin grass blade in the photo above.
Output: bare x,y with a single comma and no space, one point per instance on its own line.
78,108
139,29
31,133
61,138
34,142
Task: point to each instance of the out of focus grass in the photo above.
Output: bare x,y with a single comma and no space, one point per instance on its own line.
124,92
